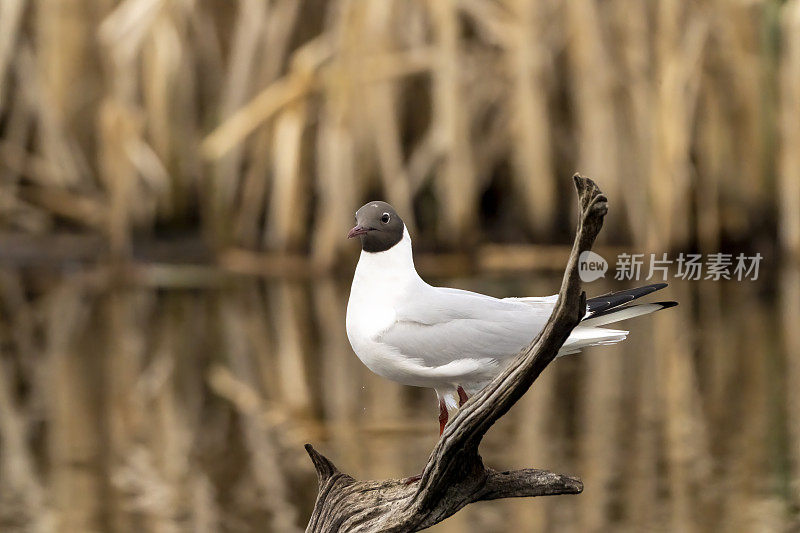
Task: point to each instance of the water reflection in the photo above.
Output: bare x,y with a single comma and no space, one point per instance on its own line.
153,409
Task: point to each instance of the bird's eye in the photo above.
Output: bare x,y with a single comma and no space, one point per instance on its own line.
385,218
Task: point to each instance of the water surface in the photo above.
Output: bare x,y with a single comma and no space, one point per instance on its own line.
154,407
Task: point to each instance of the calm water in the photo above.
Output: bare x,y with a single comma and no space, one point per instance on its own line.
157,408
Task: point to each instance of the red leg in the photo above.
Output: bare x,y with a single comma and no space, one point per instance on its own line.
412,479
442,416
462,396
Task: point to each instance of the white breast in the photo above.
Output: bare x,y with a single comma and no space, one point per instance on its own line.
381,281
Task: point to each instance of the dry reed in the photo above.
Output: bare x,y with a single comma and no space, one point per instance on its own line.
263,125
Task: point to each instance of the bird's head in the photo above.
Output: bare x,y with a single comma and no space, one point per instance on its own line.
378,225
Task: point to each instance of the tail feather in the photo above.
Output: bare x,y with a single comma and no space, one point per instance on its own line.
583,337
607,309
625,312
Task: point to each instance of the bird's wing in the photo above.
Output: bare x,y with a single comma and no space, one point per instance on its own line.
441,326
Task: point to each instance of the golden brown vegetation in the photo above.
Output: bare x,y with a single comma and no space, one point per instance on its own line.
264,124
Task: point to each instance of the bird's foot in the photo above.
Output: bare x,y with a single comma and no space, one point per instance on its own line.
412,479
442,416
462,396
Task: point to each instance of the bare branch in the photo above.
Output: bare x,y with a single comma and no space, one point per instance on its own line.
528,482
324,467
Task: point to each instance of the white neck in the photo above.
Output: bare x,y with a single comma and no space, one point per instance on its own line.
395,265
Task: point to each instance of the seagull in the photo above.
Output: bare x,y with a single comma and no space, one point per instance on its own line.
452,340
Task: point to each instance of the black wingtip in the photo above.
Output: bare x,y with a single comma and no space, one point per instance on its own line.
616,309
604,302
666,305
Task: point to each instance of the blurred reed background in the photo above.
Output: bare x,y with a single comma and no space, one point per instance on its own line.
183,143
262,125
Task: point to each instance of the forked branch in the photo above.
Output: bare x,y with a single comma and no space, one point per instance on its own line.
454,475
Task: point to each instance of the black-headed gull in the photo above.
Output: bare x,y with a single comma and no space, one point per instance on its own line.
451,340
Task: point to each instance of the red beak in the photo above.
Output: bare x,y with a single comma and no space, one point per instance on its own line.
355,232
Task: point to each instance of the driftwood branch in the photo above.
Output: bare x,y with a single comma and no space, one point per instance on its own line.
454,475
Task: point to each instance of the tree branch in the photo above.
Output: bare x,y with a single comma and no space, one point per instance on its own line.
527,482
454,475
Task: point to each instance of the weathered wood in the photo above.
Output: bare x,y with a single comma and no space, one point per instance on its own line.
454,475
